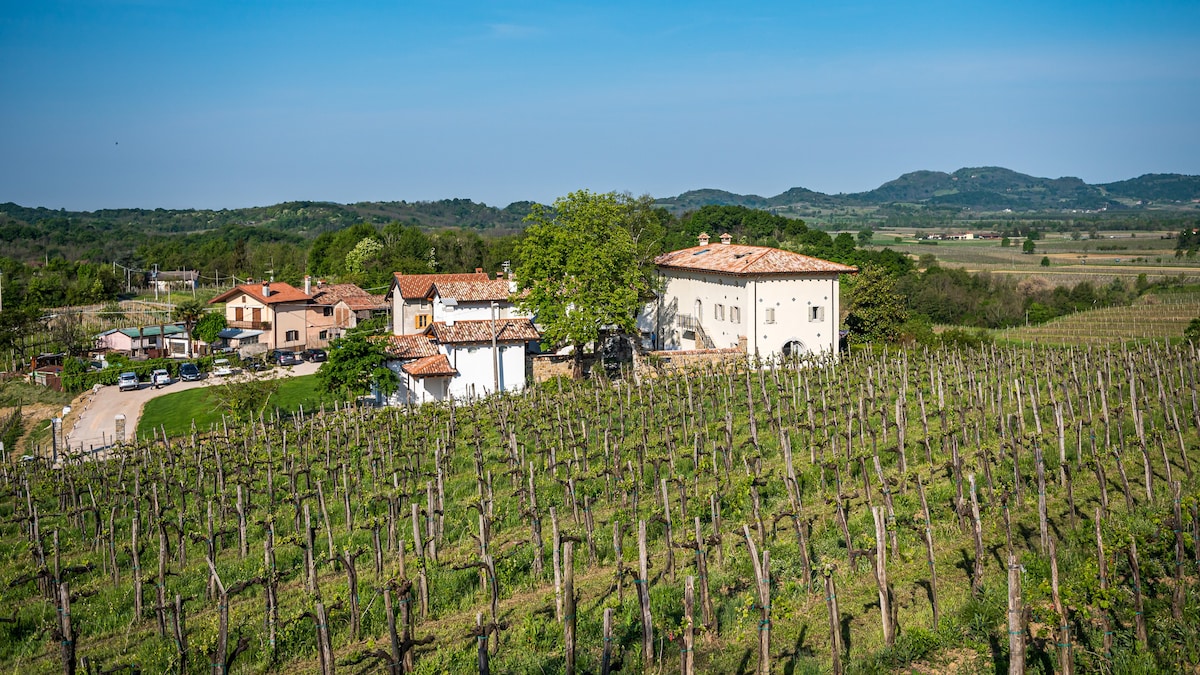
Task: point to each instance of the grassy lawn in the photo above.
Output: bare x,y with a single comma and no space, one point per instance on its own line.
175,412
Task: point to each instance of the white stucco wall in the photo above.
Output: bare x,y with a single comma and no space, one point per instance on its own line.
416,390
791,298
475,372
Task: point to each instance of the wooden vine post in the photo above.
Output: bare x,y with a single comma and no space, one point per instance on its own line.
687,656
762,583
643,590
881,578
1016,620
835,633
607,655
1065,665
569,605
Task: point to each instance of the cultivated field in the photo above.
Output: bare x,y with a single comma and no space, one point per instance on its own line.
912,511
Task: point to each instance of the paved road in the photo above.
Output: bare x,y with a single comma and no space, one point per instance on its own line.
96,424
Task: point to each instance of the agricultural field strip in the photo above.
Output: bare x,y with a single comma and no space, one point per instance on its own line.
293,543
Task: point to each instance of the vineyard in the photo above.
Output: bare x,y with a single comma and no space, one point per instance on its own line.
1004,510
1152,317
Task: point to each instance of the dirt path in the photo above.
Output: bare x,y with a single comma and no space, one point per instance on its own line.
95,425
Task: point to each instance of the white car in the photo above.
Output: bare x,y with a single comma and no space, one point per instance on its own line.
221,368
128,382
160,378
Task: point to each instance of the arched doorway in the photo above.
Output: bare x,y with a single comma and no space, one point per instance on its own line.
793,349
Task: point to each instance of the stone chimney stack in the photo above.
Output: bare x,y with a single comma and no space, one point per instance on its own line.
726,238
703,239
307,285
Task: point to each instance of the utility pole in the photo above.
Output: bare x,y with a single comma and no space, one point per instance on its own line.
1,290
154,277
495,353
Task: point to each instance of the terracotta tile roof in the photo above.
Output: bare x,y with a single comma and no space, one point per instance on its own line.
280,292
430,366
354,297
480,330
740,260
408,346
415,286
471,291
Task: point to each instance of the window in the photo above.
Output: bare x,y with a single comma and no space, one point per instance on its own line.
816,313
323,335
794,349
735,314
328,311
252,340
421,321
292,336
770,318
718,312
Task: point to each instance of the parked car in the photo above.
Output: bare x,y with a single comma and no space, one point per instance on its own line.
128,382
188,372
221,368
258,365
314,355
286,358
160,378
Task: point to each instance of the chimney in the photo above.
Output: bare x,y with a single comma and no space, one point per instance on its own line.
307,285
266,289
703,239
499,276
320,283
726,238
478,270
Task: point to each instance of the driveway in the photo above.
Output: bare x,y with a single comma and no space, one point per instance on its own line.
95,427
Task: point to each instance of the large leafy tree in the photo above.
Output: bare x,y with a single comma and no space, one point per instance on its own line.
876,310
356,365
585,265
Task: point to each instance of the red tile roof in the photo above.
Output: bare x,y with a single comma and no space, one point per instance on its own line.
430,366
414,286
280,292
480,330
740,260
408,346
354,297
471,291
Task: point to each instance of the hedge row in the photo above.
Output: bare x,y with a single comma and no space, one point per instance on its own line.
143,369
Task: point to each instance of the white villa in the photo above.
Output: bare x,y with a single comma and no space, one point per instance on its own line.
457,358
444,326
774,302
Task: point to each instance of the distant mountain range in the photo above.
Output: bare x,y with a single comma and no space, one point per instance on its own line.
983,189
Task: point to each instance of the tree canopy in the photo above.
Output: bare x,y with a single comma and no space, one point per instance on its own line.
356,366
876,310
585,264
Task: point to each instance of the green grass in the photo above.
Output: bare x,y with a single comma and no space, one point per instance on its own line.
175,412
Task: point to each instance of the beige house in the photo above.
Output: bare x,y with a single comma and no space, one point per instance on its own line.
781,304
276,315
337,308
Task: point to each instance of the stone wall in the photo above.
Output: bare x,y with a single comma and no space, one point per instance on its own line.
669,361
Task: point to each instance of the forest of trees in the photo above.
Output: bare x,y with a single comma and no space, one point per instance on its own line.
75,253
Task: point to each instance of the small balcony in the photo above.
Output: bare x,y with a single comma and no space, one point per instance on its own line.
251,325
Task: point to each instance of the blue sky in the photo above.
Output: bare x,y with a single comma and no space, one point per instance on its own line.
174,104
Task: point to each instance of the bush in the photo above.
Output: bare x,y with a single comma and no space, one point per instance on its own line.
77,382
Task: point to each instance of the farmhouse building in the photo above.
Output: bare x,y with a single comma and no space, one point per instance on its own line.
276,315
460,358
717,296
412,308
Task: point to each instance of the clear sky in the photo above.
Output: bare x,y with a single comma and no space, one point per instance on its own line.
215,104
